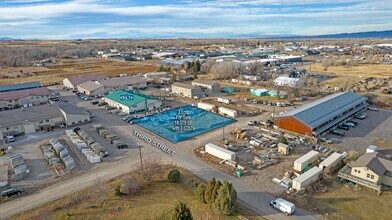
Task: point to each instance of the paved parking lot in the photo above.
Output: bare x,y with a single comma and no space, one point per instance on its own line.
378,125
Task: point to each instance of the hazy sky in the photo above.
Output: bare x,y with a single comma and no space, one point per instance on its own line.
65,19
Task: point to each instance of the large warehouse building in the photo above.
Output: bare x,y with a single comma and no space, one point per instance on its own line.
318,117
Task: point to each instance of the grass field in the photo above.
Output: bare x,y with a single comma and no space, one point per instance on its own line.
359,71
155,201
58,72
343,202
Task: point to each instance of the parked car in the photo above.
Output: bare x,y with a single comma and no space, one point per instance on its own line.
349,124
10,192
337,132
286,207
102,104
245,148
232,147
354,122
252,123
94,102
325,140
343,127
360,116
372,109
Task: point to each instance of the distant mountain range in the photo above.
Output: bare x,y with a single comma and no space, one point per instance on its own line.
6,38
370,34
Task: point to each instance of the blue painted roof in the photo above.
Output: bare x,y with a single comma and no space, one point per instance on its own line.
322,110
20,86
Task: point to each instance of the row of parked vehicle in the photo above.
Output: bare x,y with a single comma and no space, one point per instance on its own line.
271,103
347,125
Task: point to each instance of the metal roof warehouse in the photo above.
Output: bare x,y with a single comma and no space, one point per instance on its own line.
129,101
20,86
317,117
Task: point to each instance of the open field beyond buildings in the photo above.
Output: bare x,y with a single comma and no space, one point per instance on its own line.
69,67
361,70
341,201
155,201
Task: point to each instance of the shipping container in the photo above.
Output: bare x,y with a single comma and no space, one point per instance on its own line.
307,178
205,106
222,100
301,163
330,164
219,152
229,112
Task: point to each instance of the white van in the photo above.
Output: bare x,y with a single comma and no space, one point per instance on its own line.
10,138
286,207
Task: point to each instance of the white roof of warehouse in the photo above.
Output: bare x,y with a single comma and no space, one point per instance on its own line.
308,174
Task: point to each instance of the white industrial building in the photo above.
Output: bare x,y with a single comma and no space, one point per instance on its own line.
330,164
307,178
287,81
186,90
220,152
228,112
309,158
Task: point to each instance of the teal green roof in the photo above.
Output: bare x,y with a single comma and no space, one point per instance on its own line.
128,98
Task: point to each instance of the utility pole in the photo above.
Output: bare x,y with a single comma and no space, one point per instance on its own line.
223,134
140,153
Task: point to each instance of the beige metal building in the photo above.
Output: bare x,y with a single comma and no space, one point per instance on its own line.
207,86
73,81
91,88
24,98
186,90
29,120
73,115
123,83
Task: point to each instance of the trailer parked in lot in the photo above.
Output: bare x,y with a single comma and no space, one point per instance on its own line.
229,112
205,106
222,100
219,152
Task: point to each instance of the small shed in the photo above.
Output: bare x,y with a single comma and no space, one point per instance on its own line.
283,148
259,92
305,160
219,152
371,149
330,164
307,178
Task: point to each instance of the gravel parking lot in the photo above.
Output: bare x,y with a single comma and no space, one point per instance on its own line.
378,125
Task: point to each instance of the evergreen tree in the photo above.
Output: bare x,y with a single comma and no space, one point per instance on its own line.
198,65
174,176
209,191
226,200
182,212
200,192
283,140
217,186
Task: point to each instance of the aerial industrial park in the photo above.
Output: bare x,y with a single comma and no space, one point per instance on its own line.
218,126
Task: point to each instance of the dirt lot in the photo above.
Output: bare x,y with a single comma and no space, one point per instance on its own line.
69,67
154,201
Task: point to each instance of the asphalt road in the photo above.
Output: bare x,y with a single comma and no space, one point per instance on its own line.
255,199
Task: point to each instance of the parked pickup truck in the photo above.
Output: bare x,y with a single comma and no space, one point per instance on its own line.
286,207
